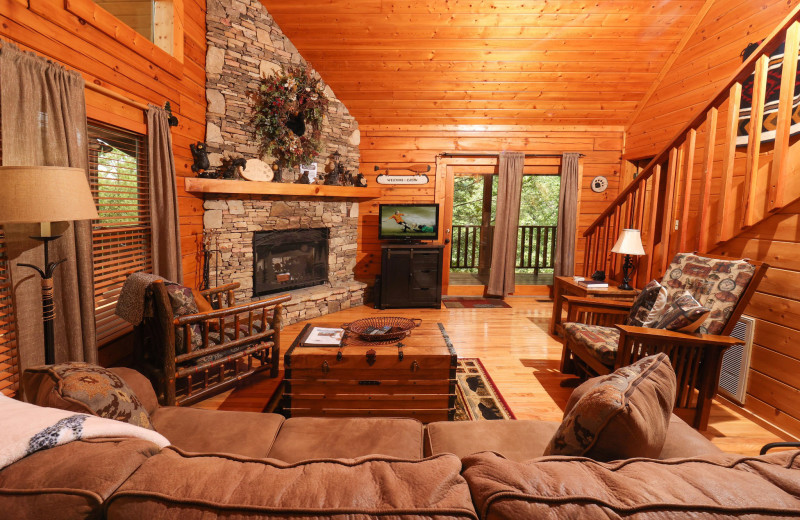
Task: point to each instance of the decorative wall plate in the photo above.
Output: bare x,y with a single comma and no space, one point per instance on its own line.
599,184
402,179
257,170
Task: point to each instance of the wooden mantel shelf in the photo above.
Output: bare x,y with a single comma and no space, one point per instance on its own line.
220,186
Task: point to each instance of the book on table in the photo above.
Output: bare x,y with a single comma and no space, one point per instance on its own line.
324,337
592,284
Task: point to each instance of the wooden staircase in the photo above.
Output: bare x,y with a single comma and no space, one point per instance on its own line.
702,190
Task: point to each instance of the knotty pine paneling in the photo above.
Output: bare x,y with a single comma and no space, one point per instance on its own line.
401,145
48,29
478,62
706,63
776,307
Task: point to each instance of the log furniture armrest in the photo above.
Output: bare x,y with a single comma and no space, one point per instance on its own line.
215,294
671,336
190,319
598,303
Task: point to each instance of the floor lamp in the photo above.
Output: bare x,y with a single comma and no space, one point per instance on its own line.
43,195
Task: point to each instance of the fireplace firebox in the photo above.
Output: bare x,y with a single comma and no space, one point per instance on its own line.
289,259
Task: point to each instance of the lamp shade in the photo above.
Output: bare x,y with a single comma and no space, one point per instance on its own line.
629,243
44,194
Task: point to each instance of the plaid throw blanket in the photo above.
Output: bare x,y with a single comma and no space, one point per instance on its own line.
26,428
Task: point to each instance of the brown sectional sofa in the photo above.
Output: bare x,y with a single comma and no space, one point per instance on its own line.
249,465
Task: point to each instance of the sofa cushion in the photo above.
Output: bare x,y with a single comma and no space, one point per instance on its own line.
85,388
305,438
625,414
684,314
248,434
516,440
650,301
601,342
716,283
175,485
73,479
722,486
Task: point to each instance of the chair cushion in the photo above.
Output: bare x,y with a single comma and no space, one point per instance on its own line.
305,438
648,305
625,414
183,304
85,388
715,283
601,342
684,314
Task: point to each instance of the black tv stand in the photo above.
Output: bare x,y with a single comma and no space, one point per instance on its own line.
411,276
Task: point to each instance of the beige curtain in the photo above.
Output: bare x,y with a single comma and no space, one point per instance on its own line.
506,224
567,215
163,197
43,118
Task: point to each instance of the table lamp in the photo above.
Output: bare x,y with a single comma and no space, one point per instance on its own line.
629,243
43,195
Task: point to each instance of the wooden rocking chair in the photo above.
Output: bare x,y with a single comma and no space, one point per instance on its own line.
190,357
597,341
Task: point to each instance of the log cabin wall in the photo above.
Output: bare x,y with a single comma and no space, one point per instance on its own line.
700,70
399,146
705,62
49,29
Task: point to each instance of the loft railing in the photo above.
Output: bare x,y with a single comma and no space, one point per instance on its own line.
536,247
702,190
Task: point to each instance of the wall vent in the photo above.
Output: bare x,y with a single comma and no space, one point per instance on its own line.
736,362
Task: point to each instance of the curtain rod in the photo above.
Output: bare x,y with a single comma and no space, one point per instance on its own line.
495,154
103,90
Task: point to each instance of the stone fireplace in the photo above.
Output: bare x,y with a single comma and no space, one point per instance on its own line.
289,259
236,227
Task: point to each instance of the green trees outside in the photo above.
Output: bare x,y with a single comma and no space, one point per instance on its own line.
538,202
538,207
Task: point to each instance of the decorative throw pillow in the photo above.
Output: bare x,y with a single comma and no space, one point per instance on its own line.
82,387
183,303
684,314
622,415
644,302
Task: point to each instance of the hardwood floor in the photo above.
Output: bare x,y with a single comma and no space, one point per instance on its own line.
521,358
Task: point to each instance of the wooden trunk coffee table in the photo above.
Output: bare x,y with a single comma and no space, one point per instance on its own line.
414,377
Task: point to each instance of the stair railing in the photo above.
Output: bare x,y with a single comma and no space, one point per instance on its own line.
692,199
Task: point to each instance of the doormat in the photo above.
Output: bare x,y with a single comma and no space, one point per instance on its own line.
474,303
477,397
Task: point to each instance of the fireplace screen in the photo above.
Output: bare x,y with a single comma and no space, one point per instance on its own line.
289,259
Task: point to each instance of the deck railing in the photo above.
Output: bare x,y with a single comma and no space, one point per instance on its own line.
535,247
701,190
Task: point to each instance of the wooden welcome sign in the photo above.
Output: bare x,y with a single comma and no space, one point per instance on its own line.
418,178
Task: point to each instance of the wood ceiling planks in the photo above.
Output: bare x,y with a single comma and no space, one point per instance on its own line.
396,62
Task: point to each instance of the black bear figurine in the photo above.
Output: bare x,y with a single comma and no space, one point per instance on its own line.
200,156
230,167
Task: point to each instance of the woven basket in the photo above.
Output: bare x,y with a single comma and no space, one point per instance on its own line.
400,328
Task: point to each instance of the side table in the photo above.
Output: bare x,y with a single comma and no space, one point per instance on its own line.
566,285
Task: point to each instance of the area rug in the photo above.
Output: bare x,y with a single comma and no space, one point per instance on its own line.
477,397
474,303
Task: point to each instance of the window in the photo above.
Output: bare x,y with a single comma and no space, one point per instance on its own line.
9,358
121,238
153,19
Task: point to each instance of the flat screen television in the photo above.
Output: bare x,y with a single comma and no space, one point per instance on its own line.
408,222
